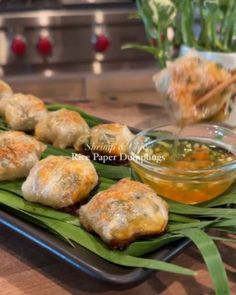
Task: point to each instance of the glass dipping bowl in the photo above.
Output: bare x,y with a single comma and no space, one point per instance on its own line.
185,185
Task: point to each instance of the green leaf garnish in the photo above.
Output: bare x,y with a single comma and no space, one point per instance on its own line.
185,221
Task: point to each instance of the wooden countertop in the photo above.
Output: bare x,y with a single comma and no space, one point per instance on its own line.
27,269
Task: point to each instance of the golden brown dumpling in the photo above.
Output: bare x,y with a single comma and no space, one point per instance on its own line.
59,181
63,128
18,154
127,210
22,112
5,89
110,139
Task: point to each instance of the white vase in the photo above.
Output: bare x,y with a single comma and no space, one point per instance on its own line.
227,60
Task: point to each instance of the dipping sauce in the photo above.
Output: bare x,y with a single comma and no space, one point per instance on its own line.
189,169
186,154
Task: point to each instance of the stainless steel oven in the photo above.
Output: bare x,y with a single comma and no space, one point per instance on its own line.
68,2
72,49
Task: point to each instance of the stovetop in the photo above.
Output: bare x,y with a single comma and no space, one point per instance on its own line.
67,2
16,5
23,5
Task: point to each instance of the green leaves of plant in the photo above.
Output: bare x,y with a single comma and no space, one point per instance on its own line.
157,17
211,257
11,200
217,30
68,227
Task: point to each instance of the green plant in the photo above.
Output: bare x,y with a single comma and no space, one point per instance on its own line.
216,20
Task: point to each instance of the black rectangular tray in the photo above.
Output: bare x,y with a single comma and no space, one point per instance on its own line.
84,260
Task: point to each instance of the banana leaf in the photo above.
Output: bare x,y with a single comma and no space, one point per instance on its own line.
184,221
67,227
223,239
13,201
211,257
183,209
142,247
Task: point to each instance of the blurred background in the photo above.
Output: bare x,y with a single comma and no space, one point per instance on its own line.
70,51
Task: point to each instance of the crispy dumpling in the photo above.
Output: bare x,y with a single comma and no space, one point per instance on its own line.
63,128
5,89
59,181
124,212
18,154
22,112
110,139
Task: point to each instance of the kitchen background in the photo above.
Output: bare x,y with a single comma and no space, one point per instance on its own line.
70,50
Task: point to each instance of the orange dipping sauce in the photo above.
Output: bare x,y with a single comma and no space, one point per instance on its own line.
186,171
